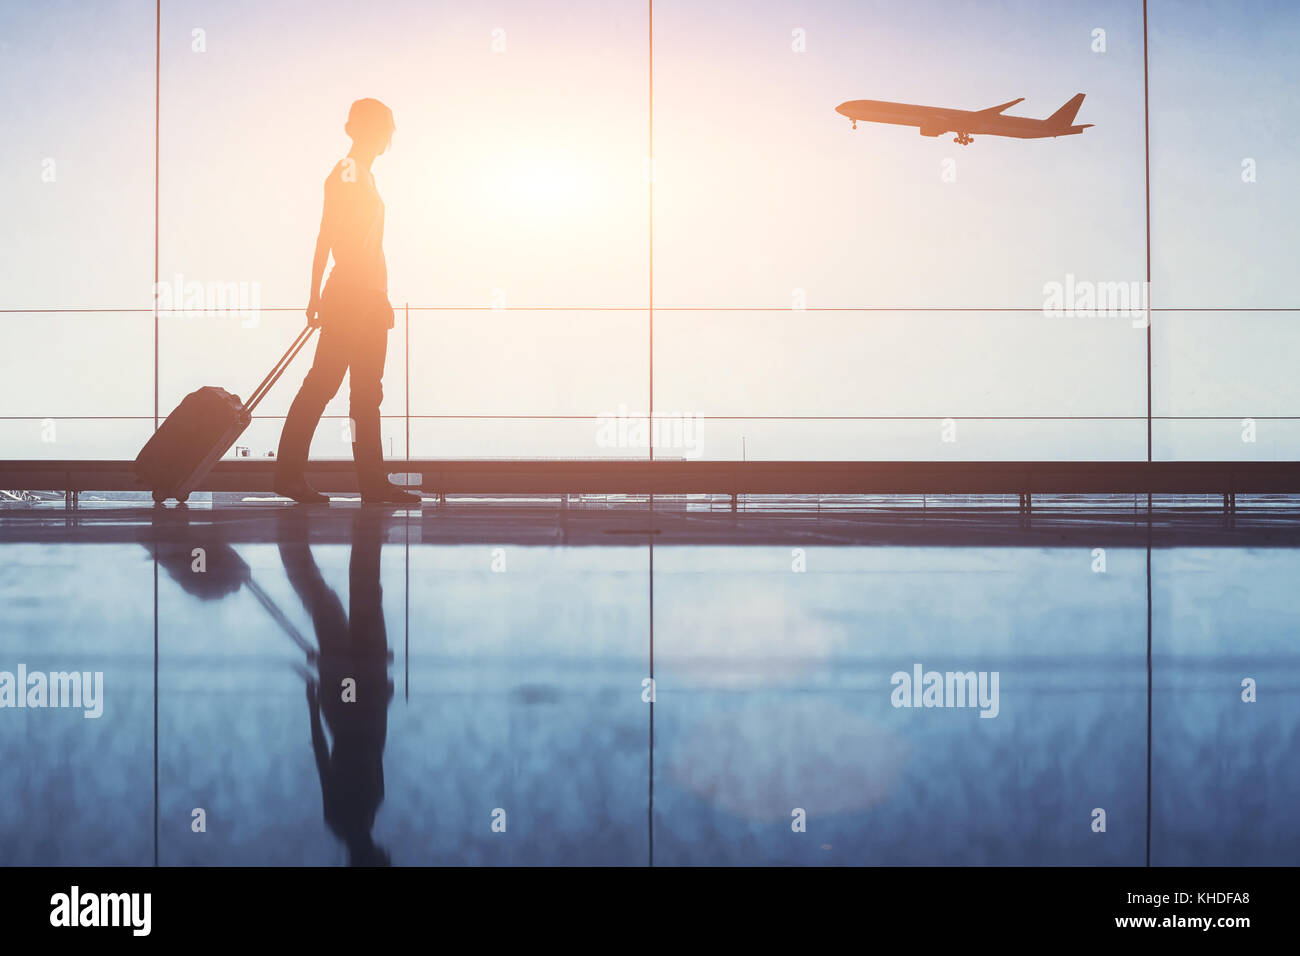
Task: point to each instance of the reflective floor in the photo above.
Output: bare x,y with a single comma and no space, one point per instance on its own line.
472,685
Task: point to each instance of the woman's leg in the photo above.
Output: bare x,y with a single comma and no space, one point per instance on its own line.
366,376
320,385
367,372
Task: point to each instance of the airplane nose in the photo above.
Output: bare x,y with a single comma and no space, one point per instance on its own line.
842,109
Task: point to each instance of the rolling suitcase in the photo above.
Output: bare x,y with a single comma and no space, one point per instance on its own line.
200,430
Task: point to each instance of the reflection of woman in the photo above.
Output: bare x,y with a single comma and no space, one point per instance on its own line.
354,317
354,688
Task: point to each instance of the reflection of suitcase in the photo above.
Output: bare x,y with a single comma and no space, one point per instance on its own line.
224,573
200,430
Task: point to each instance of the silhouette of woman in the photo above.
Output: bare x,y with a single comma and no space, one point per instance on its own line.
354,316
353,648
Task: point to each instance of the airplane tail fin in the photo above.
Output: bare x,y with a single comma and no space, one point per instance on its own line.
1065,115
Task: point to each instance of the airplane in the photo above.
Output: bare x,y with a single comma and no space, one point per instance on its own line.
935,120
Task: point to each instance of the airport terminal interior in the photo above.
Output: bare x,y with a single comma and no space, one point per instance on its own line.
820,459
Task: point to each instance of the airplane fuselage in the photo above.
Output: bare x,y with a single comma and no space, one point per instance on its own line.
935,121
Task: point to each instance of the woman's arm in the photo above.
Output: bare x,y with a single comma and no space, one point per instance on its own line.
324,242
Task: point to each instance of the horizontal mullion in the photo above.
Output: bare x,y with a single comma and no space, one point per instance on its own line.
175,313
746,418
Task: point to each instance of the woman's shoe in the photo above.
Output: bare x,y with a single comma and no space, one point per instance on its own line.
389,494
300,491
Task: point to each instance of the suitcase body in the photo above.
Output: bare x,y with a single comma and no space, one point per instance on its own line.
190,441
200,430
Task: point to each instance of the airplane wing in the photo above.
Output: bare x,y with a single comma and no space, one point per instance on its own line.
994,110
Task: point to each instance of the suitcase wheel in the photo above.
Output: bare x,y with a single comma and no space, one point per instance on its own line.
159,497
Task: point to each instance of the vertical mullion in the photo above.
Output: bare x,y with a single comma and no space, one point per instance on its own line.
157,112
650,545
1146,131
651,222
406,310
155,701
1146,126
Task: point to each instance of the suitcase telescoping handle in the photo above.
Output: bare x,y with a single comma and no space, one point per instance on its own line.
278,369
282,620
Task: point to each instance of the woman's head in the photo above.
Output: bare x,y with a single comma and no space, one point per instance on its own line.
370,124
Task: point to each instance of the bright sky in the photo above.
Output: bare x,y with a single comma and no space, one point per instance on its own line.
518,178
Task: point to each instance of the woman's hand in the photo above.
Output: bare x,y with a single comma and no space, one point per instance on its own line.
313,312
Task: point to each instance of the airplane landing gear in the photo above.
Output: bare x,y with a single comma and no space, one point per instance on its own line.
963,139
855,124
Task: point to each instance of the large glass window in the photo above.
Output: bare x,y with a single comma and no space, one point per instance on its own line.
592,218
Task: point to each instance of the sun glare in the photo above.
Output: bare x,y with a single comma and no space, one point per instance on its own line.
554,183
